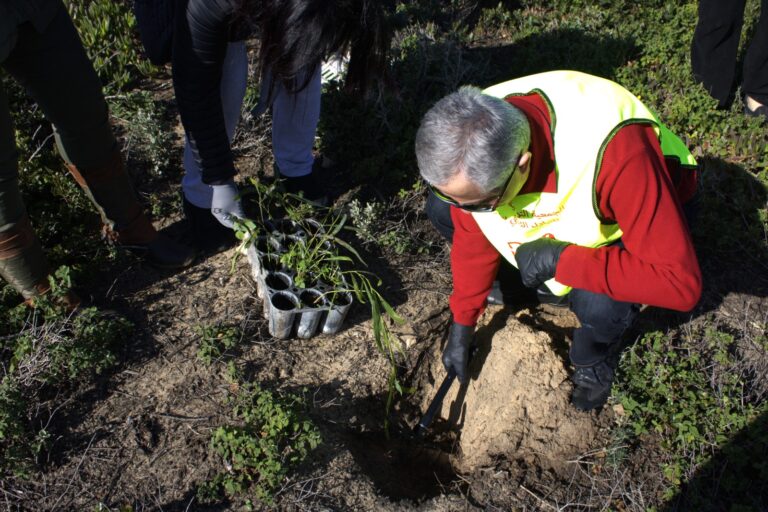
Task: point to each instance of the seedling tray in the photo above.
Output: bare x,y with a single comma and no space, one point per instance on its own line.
292,310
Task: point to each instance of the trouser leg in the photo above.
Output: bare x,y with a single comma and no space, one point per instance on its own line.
234,79
22,262
294,124
54,68
755,83
439,214
603,322
714,47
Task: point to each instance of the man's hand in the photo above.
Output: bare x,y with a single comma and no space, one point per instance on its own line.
537,260
456,352
226,203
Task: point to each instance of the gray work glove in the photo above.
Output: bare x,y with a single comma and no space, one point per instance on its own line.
226,203
456,352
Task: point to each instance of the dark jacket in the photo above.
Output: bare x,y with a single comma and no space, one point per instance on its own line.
203,30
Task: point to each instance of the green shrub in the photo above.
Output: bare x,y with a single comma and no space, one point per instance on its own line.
109,34
43,347
216,340
687,392
148,139
270,439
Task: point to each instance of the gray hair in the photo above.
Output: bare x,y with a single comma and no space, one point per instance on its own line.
471,132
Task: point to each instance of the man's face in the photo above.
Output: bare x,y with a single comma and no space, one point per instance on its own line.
464,194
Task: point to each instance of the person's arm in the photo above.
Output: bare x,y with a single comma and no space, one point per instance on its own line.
199,47
657,265
474,263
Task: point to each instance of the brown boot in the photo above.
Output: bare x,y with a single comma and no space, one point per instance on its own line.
124,222
68,301
22,261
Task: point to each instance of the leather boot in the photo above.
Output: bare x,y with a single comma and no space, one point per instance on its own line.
592,385
124,222
22,262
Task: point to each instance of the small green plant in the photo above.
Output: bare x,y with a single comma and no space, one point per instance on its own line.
43,347
323,256
216,340
271,438
147,138
685,392
109,34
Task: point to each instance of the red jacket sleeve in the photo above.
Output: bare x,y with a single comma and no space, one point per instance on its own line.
657,264
474,263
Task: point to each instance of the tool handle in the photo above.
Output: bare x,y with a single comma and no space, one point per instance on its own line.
426,420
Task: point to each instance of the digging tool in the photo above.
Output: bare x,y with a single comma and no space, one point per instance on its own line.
426,420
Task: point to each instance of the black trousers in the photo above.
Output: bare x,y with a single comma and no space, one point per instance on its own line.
715,46
603,320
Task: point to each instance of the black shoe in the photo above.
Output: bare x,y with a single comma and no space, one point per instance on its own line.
164,252
495,296
761,111
208,234
307,186
592,386
515,297
547,297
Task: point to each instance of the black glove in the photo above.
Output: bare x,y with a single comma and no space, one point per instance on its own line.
456,352
537,260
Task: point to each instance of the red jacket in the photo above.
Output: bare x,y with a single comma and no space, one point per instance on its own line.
635,188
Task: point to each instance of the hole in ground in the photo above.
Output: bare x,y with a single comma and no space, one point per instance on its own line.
403,467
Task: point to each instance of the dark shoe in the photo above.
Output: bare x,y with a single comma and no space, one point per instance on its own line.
761,111
208,234
162,252
592,386
307,186
547,297
502,296
495,296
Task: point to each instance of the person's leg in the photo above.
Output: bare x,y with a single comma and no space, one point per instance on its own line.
207,233
294,124
714,47
439,214
22,262
596,344
755,83
53,66
234,80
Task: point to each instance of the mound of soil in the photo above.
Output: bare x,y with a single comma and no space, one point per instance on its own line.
516,402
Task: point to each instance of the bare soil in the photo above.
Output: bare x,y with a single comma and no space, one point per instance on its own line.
138,439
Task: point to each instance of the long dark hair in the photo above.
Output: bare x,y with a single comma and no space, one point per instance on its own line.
296,35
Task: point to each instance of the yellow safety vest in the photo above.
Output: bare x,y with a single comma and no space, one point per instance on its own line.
586,112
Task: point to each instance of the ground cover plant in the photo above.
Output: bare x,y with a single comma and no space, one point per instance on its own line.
169,394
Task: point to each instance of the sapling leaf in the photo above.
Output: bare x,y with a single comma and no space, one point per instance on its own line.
350,249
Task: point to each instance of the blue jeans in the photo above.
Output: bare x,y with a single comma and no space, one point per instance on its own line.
603,320
294,123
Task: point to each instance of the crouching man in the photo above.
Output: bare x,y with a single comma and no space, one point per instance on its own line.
576,184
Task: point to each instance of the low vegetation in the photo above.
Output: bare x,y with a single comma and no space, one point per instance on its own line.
691,389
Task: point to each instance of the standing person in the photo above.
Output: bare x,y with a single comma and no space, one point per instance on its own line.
576,183
40,48
714,49
210,69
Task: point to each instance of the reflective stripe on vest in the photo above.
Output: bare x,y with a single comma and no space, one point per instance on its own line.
586,112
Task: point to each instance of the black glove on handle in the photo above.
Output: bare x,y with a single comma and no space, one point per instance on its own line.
456,352
537,260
